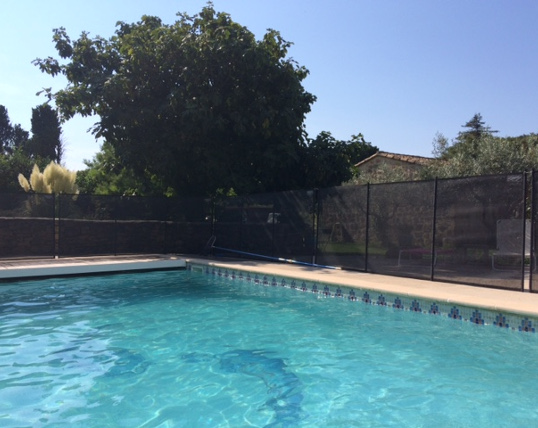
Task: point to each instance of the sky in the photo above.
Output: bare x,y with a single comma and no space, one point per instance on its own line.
397,71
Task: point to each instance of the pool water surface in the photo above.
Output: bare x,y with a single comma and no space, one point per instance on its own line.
184,349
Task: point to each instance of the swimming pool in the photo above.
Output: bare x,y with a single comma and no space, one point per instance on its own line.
184,349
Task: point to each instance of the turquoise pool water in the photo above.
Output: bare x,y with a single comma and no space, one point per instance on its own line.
183,349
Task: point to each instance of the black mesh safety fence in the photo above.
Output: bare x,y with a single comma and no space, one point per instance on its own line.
273,225
400,222
479,230
140,226
293,225
342,227
27,226
188,224
228,224
473,230
98,225
87,225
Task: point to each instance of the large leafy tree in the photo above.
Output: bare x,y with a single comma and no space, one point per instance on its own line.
201,102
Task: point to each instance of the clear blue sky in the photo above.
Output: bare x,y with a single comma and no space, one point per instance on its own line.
399,71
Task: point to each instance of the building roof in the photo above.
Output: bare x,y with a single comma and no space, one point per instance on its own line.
419,160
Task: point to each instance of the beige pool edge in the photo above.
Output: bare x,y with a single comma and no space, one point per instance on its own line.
43,268
517,302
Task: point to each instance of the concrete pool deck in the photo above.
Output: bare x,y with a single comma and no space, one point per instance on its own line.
15,269
516,302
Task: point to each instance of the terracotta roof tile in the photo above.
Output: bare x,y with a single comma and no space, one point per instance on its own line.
396,156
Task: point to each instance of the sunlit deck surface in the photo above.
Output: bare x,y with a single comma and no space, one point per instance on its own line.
480,297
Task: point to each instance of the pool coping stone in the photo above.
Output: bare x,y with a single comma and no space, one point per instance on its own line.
517,302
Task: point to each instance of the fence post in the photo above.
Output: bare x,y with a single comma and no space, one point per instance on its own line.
523,229
164,219
212,208
242,224
56,227
367,234
273,222
315,224
434,225
532,217
117,205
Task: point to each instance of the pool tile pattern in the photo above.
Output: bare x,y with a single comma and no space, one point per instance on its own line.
478,316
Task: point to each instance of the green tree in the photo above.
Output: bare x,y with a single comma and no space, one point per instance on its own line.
440,145
467,140
6,131
10,166
11,136
489,155
359,149
106,175
46,139
476,127
200,103
13,159
329,162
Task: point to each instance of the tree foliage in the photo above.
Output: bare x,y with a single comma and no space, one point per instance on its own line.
11,136
476,151
490,155
46,139
329,162
200,103
105,175
19,152
13,159
10,166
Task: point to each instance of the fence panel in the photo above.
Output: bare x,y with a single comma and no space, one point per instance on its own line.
140,226
270,225
471,215
342,227
87,225
228,222
293,225
188,224
258,224
27,226
401,229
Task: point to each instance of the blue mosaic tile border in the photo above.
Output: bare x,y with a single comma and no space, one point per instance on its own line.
479,316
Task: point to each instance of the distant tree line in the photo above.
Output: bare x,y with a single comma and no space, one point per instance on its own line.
477,151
